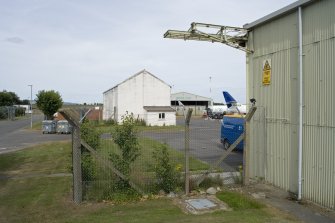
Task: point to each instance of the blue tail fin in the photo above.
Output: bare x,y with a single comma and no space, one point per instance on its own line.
230,101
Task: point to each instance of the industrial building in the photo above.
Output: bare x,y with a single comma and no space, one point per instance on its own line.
291,74
184,100
144,96
290,59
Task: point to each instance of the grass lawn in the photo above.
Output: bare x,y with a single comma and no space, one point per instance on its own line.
49,199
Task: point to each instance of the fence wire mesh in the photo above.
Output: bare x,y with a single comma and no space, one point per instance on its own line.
157,163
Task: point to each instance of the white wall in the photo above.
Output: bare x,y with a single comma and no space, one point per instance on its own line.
141,90
152,118
110,101
133,94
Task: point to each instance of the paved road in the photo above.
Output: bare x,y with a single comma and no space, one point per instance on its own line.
204,142
16,135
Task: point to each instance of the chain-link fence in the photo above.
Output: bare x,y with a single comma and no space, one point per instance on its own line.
10,112
129,158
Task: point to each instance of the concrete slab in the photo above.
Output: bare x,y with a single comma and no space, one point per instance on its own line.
201,204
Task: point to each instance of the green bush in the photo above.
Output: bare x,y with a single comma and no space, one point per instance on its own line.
167,176
109,122
125,136
211,182
20,112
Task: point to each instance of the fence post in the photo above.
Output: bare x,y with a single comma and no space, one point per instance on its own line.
73,118
76,161
187,151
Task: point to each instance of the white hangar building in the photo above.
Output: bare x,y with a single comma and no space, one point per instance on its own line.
145,96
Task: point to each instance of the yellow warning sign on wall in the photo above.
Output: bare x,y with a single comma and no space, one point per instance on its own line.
267,72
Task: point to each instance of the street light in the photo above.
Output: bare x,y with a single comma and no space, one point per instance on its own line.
31,105
210,89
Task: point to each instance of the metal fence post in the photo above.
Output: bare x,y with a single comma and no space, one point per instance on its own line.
187,151
73,118
76,162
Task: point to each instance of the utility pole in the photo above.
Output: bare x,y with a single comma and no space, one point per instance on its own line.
210,89
31,105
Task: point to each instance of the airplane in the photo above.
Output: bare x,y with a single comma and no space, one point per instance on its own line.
233,106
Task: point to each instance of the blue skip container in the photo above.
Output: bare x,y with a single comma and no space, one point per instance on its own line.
232,127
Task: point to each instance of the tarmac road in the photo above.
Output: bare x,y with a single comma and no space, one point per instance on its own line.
204,142
16,135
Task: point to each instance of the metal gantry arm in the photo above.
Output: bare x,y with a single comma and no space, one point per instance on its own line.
232,36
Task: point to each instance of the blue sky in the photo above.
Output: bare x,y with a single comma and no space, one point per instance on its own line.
82,48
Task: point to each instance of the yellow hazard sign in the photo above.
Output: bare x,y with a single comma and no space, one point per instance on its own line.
267,72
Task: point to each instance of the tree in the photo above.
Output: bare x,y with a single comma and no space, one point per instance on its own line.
49,102
8,98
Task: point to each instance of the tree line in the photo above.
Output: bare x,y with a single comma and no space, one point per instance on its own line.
47,101
8,98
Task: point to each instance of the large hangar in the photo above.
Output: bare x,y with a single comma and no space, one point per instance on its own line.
188,100
291,74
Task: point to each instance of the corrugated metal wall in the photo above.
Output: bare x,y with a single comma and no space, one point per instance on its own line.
273,151
274,139
319,98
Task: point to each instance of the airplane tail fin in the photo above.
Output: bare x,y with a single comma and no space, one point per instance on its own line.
230,101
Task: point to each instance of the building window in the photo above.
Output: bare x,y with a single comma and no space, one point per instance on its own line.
161,115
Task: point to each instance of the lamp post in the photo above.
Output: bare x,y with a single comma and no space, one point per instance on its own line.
31,105
210,89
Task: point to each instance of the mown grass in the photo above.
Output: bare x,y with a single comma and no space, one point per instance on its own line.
47,158
49,199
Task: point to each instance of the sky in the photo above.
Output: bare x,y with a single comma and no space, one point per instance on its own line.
81,48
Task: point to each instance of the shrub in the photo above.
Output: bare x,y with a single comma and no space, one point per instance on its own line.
110,122
167,176
125,136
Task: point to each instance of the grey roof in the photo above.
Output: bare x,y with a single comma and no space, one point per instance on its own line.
138,73
288,9
184,96
159,108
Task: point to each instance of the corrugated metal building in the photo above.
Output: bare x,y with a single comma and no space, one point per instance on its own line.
291,74
196,102
143,95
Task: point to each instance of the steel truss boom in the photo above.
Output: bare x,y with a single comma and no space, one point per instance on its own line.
232,36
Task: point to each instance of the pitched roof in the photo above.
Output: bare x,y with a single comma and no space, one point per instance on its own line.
138,73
